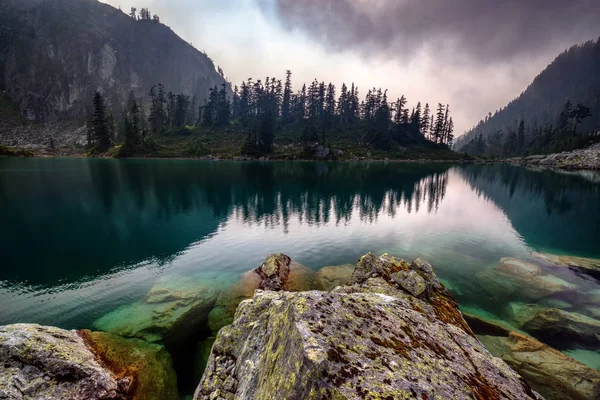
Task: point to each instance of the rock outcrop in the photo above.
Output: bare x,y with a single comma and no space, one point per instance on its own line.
39,362
588,158
393,332
553,374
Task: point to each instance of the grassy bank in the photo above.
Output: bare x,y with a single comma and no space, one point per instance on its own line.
200,142
6,151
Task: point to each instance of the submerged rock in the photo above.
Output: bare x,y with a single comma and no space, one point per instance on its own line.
588,266
174,306
277,272
327,278
39,362
512,278
378,337
559,328
553,374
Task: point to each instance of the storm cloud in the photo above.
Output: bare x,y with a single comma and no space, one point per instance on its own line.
483,31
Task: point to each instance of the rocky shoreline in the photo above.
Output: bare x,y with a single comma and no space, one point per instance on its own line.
385,328
581,159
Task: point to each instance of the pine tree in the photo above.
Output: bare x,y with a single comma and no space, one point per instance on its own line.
182,104
425,121
343,105
521,136
450,132
101,130
329,105
223,109
286,115
438,130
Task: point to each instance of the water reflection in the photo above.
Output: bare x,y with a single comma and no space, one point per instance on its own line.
555,211
93,215
81,237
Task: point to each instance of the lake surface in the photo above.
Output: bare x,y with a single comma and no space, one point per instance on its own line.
81,237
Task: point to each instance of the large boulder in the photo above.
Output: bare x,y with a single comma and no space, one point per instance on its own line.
39,362
558,328
512,278
173,307
277,272
553,374
378,337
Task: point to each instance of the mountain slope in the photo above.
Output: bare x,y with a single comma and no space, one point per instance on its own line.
573,75
55,54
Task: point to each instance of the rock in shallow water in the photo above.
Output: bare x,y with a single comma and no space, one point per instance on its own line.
589,266
172,307
277,272
327,278
39,362
512,278
370,339
555,375
559,328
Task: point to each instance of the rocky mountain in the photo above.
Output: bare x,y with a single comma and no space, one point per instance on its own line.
55,54
573,76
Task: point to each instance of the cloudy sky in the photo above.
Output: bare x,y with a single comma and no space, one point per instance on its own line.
475,55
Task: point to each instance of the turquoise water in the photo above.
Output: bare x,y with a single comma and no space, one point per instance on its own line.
80,237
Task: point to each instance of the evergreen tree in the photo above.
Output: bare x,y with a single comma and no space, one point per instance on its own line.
101,129
223,110
438,131
520,137
286,112
425,121
182,104
580,113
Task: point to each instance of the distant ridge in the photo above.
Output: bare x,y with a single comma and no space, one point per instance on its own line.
574,75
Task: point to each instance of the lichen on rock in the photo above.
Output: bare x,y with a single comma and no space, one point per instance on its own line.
277,272
393,332
40,362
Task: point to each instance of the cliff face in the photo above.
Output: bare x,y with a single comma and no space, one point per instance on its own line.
55,54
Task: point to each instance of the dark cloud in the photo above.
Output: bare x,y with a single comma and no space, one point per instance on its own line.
482,30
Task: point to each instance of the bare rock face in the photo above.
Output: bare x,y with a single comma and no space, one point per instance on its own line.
39,362
393,332
555,375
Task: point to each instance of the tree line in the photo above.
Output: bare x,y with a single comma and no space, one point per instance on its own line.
143,15
264,108
529,139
